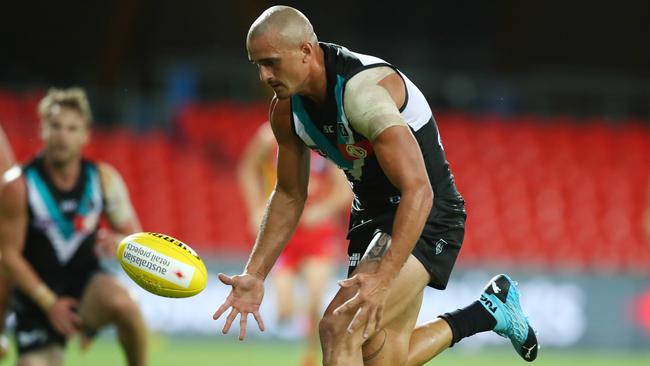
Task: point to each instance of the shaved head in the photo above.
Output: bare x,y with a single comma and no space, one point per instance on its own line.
282,44
289,25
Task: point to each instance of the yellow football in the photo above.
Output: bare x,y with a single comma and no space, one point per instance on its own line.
162,265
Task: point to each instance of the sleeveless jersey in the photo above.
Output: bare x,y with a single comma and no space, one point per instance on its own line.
62,225
326,129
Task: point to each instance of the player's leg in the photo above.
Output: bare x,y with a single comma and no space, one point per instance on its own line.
316,271
283,284
427,341
105,301
497,309
51,355
37,342
390,345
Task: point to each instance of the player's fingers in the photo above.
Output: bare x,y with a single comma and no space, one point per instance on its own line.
59,326
243,319
379,317
353,303
356,320
258,319
73,303
222,309
68,328
102,233
349,282
226,279
231,317
76,320
371,322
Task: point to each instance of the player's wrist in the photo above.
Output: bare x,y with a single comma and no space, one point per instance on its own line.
257,274
44,297
388,269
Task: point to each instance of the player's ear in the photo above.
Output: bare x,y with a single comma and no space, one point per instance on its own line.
307,49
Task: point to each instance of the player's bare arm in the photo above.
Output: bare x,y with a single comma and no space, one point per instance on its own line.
6,155
13,226
401,160
119,211
280,220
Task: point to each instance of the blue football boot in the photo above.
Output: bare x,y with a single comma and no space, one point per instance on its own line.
501,298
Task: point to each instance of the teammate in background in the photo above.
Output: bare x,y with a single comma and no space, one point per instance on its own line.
311,249
50,211
407,220
6,161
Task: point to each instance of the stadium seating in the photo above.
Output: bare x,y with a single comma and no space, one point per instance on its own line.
551,193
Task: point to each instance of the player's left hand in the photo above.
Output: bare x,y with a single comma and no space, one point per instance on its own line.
244,298
107,242
368,303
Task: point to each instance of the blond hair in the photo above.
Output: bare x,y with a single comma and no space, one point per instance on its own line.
74,98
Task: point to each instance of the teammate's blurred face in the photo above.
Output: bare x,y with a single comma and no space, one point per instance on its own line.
64,133
282,66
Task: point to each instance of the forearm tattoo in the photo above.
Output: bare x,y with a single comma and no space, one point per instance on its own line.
378,247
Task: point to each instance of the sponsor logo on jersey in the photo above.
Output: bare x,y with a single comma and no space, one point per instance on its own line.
354,259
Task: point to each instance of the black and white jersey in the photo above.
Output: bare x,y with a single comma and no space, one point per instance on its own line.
325,129
62,226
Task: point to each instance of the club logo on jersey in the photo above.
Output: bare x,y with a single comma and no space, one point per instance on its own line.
356,152
440,245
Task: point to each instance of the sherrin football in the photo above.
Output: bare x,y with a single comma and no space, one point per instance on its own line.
162,265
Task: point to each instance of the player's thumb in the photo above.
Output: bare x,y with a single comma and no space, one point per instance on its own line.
226,279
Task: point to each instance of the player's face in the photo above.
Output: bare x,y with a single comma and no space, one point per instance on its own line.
280,66
64,133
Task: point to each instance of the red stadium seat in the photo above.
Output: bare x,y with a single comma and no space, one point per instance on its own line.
555,193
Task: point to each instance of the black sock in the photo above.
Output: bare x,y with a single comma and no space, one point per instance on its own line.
468,321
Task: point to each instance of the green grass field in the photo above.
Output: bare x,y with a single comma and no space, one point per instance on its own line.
213,351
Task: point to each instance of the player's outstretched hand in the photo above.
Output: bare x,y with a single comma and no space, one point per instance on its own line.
244,298
367,304
107,243
63,316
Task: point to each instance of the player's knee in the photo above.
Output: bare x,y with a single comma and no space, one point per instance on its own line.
284,314
333,330
123,308
286,307
328,328
387,346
